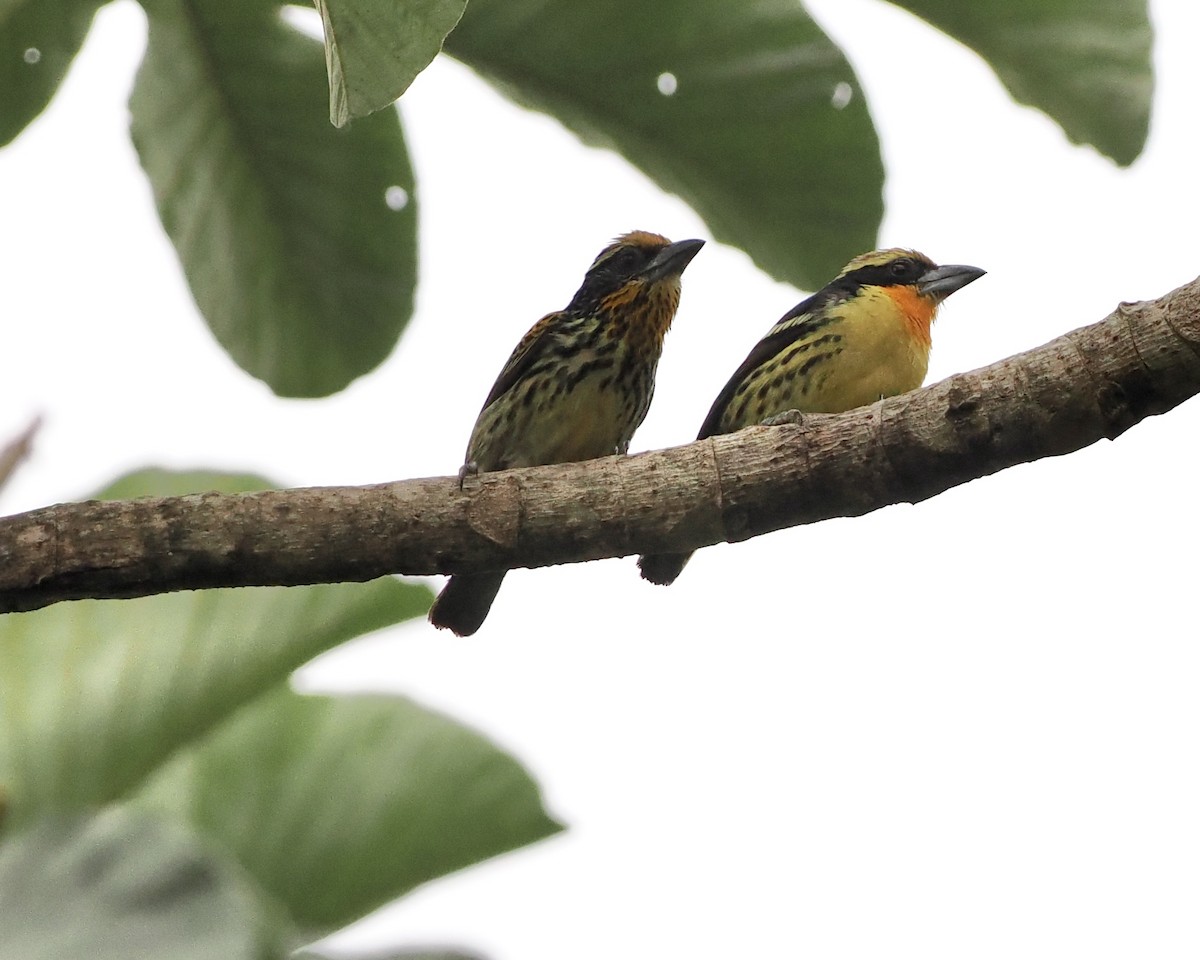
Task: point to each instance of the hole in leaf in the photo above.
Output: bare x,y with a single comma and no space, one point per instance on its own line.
302,19
396,198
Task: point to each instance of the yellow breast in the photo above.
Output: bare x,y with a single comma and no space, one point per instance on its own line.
876,345
885,349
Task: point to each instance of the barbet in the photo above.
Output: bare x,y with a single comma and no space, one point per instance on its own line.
861,337
576,387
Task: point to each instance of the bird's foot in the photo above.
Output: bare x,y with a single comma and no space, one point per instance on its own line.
468,469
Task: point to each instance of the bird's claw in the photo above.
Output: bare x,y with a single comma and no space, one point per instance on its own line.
468,469
794,417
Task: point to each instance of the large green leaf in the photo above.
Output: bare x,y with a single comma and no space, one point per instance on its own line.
1086,63
765,134
96,694
337,805
285,226
38,41
375,48
180,704
119,886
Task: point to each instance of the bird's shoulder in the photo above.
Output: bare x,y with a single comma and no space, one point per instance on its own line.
531,347
805,319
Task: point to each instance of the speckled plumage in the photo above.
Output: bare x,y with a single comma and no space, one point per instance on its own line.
576,386
863,336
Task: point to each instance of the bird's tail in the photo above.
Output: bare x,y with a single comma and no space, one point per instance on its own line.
662,568
464,602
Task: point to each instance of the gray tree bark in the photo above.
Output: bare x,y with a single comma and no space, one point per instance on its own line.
1092,383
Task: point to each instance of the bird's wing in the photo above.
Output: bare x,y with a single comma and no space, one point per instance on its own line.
525,354
792,326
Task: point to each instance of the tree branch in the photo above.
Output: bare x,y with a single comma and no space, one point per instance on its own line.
1095,382
16,450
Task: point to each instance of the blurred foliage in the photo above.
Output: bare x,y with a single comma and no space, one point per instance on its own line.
161,786
119,885
38,41
158,739
303,271
299,239
1086,65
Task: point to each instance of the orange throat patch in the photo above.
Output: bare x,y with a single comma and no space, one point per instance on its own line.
918,312
643,315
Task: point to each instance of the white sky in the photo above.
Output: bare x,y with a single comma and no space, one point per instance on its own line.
966,728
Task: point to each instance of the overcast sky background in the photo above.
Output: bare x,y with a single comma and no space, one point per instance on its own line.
965,728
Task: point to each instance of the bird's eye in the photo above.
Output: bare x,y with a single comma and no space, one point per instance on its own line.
627,260
901,267
624,263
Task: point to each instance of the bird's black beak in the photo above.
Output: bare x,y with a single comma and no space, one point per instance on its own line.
672,259
942,281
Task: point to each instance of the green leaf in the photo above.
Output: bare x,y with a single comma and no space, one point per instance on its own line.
95,694
159,482
119,886
337,805
758,136
180,704
282,223
375,48
1085,63
38,41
